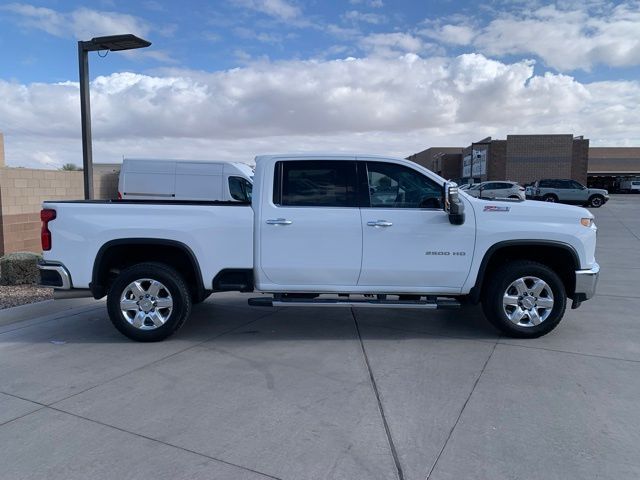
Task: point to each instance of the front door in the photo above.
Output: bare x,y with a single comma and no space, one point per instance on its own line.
408,242
311,233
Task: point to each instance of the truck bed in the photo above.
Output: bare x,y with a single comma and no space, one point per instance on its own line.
218,234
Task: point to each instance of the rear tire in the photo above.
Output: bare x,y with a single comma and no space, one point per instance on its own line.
148,302
524,299
596,201
551,198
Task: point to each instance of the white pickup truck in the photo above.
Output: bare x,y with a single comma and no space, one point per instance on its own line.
325,231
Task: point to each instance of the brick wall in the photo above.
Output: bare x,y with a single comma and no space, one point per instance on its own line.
22,191
580,160
434,159
531,157
497,161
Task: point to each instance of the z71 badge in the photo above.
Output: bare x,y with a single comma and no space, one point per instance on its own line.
496,208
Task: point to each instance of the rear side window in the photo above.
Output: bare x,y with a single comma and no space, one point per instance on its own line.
315,183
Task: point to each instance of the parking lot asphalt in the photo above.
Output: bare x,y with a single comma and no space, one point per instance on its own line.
302,393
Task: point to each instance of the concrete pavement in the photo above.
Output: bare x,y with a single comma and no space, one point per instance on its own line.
249,393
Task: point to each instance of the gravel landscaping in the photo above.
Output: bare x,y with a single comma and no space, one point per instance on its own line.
12,296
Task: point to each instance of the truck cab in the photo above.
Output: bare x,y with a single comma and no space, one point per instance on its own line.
356,224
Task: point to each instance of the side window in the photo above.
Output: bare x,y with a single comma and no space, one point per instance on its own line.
315,183
397,186
240,189
565,184
576,185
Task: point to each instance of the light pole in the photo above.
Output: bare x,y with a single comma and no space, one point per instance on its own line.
112,43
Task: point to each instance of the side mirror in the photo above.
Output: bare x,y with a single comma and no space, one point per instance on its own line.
452,204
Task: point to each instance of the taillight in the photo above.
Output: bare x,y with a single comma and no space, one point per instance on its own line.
119,196
46,215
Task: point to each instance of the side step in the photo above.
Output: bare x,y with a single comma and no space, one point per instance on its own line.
440,304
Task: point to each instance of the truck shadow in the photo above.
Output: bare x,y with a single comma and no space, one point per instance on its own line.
236,321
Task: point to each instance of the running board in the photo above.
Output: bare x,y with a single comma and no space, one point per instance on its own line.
441,304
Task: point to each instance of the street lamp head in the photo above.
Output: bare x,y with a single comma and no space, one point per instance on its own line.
115,43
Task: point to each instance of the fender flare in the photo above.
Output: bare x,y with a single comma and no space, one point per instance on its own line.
476,290
98,290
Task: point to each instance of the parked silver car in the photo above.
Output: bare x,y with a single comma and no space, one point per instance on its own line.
569,191
502,189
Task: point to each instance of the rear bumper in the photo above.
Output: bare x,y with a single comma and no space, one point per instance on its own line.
54,275
57,276
586,283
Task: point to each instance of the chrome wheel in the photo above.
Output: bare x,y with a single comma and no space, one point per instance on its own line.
527,301
596,202
146,304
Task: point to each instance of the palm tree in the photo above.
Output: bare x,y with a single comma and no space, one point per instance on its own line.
70,167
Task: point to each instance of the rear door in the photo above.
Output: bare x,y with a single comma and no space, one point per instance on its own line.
491,190
568,192
408,243
311,232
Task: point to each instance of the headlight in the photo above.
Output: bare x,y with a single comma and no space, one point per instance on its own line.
587,222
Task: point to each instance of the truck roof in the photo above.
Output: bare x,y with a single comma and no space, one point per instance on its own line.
326,156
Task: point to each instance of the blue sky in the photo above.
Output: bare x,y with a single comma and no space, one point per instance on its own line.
238,78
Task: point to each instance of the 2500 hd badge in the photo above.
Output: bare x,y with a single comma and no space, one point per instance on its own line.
459,254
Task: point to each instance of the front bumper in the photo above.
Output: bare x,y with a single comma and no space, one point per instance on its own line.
586,282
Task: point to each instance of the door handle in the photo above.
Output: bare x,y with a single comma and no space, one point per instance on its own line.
279,221
379,223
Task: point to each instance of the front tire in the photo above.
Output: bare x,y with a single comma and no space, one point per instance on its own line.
524,299
148,302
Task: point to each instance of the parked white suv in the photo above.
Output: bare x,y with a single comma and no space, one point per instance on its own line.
325,231
495,189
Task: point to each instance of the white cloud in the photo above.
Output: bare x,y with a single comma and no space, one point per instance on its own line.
356,16
82,23
451,34
578,36
279,9
369,3
396,105
392,44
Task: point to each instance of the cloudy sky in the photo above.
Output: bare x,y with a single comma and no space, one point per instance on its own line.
232,79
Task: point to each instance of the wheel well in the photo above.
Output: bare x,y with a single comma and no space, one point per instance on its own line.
117,255
562,259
